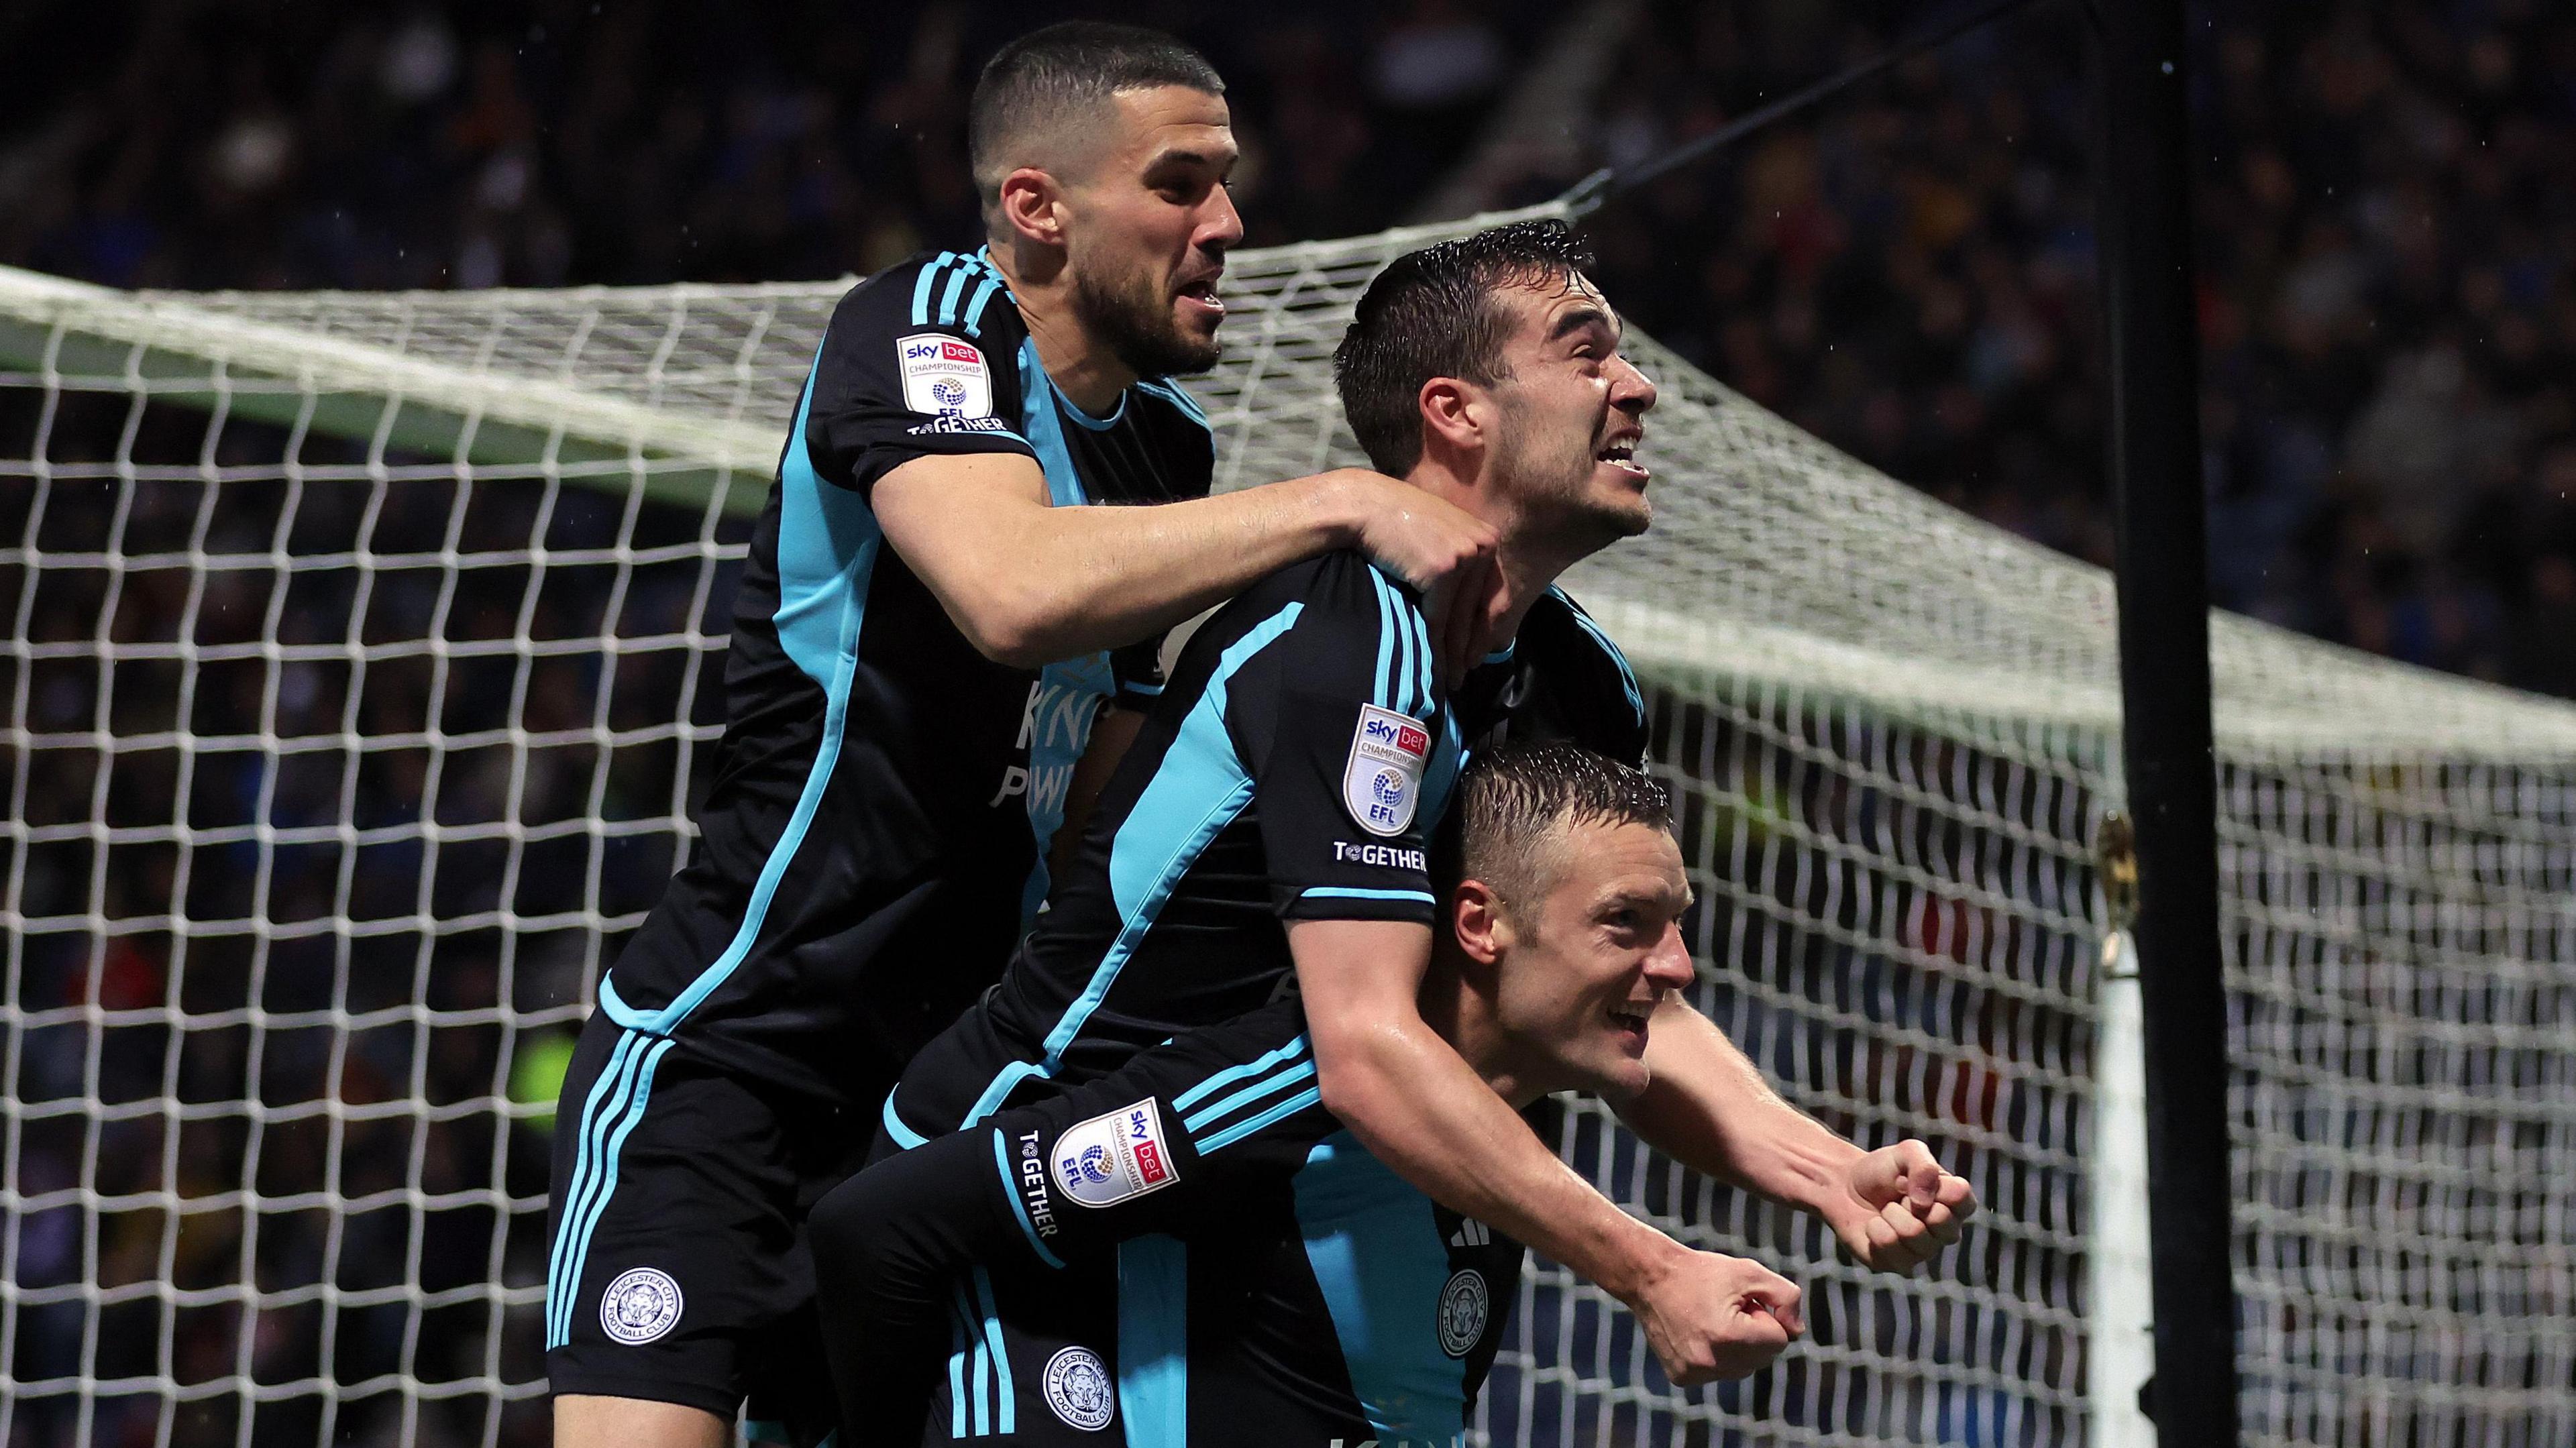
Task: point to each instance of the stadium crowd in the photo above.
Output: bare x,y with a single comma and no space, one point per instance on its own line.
2386,303
2388,317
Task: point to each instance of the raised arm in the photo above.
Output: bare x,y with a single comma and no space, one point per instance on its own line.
1410,1099
1028,583
1710,1108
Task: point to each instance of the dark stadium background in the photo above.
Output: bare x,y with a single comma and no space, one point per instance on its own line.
2388,315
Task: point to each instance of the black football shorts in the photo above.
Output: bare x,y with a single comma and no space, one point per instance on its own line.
677,1267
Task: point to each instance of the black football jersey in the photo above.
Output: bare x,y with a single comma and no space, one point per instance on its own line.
872,843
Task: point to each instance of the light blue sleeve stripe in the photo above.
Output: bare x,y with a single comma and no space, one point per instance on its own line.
921,287
904,1136
1353,892
1271,1086
975,308
1006,1404
1401,621
1019,1209
1385,640
1232,1074
1242,1129
1148,689
1421,655
948,299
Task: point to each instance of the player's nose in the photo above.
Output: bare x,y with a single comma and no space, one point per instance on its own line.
1668,965
1631,390
1220,225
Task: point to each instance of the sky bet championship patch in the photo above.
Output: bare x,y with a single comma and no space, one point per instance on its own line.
944,375
1384,774
1111,1158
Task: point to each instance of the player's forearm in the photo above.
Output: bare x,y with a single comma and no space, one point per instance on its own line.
1710,1108
1406,1094
1052,583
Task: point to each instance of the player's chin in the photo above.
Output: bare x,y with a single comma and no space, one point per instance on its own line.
1618,500
1621,1078
1194,341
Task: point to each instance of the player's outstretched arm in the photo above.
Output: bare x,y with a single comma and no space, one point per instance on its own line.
1710,1108
1028,583
1414,1103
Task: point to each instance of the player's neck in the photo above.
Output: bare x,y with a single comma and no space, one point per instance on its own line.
1465,1019
1530,562
1085,370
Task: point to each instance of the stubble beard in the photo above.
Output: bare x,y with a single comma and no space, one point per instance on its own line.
1553,495
1129,316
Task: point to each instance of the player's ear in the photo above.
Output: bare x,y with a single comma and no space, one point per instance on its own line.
1476,914
1452,413
1031,205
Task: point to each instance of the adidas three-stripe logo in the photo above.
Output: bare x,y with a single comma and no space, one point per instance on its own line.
1236,1102
1471,1233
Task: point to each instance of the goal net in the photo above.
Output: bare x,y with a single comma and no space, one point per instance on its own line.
363,654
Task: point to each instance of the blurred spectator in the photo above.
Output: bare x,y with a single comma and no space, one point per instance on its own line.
2387,312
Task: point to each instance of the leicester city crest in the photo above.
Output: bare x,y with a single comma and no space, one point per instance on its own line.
1078,1388
641,1305
1463,1305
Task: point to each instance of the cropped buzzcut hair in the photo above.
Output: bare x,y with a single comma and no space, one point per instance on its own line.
1433,313
1515,803
1043,81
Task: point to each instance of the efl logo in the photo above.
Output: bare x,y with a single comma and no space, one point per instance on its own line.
1382,778
1111,1158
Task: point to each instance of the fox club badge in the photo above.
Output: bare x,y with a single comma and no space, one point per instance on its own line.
1382,779
1463,1305
641,1305
1078,1388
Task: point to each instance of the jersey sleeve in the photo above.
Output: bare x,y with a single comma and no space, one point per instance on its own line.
1337,731
921,359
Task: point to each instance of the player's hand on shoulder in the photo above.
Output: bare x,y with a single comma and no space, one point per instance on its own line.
1710,1316
1903,1207
1444,551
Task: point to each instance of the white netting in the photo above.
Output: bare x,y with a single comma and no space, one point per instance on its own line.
358,648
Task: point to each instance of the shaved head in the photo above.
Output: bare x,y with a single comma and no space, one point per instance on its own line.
1040,100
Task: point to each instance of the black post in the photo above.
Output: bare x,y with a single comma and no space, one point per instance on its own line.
2143,174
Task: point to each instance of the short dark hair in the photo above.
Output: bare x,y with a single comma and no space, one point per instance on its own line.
1038,80
1432,313
1515,799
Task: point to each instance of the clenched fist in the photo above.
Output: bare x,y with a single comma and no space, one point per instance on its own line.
1902,1208
1709,1317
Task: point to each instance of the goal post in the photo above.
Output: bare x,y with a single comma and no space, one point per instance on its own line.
363,651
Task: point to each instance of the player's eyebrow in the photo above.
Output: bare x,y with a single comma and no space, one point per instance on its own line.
1576,319
1217,159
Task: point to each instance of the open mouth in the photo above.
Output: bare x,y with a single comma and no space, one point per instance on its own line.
1202,294
1631,1020
1622,454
